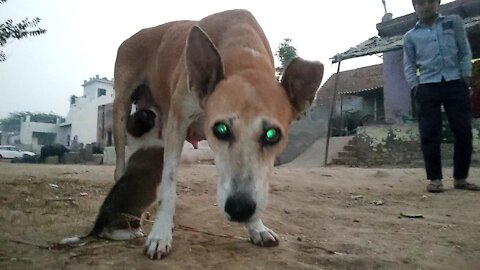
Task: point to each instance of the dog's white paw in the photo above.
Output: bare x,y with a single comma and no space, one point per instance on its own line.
260,235
158,244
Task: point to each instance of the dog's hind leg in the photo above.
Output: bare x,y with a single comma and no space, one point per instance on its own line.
129,76
126,84
121,110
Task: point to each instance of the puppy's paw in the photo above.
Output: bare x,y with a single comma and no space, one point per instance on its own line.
263,237
122,234
158,245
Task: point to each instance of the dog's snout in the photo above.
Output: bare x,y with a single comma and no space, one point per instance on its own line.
240,207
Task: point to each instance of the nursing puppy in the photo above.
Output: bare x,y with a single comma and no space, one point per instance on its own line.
212,79
121,212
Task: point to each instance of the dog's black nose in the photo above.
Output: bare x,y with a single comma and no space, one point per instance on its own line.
240,207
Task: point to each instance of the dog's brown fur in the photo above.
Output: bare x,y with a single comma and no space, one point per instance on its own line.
219,69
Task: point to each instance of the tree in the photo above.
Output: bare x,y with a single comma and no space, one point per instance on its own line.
23,29
285,53
12,122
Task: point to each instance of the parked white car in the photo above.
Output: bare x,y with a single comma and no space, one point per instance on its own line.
10,151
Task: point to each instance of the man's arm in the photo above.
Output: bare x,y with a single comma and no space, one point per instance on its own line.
409,63
464,51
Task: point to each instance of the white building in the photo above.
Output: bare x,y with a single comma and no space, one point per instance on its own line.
36,134
81,125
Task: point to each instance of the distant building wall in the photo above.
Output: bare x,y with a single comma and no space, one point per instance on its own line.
28,128
13,139
84,111
105,125
373,106
397,101
347,103
91,88
84,122
63,135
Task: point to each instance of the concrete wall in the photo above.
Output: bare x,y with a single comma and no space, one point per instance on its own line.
400,145
397,101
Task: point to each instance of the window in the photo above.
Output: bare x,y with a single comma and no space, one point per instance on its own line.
102,92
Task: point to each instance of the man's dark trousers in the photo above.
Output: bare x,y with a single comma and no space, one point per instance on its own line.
454,96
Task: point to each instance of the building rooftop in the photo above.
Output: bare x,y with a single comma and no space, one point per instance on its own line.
356,80
391,32
97,79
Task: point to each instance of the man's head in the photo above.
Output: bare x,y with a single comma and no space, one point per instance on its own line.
427,10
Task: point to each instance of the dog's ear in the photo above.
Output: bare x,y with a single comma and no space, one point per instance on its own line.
204,64
301,80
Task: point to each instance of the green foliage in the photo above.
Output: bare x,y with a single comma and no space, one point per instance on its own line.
23,29
285,53
12,122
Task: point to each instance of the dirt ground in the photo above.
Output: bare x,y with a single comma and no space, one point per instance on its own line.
327,218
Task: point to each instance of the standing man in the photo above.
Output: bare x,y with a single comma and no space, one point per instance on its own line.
438,67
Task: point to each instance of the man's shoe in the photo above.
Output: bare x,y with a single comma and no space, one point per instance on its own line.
463,184
435,186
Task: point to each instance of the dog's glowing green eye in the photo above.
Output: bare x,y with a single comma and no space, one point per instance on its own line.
221,128
221,131
271,136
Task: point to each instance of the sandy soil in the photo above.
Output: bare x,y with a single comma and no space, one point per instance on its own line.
327,218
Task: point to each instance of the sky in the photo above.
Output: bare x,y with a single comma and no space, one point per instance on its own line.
41,73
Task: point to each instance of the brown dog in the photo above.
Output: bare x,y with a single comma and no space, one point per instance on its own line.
213,79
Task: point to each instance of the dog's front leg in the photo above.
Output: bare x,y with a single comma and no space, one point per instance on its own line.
159,241
261,235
